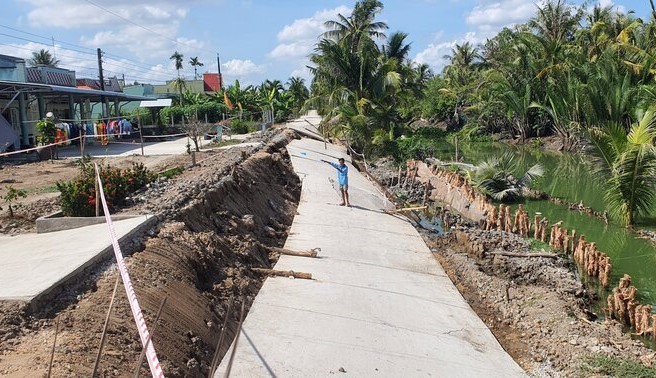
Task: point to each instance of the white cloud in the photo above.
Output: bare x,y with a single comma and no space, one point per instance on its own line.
434,54
242,68
486,19
496,15
299,49
611,3
150,34
298,38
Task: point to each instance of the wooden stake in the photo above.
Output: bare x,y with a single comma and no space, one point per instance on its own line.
52,351
150,336
215,359
234,346
514,254
289,252
405,209
104,331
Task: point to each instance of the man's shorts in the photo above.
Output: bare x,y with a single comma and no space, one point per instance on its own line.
343,187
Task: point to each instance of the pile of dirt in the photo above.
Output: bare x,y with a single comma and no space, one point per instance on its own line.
218,220
535,306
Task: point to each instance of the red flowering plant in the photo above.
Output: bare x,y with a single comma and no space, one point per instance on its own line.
78,197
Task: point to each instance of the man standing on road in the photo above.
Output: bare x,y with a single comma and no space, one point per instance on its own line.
342,176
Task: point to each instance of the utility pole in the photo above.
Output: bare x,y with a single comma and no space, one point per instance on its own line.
102,85
218,63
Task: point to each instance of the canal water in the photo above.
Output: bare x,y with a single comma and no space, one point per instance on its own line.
568,176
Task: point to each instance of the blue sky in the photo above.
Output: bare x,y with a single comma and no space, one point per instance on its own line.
256,39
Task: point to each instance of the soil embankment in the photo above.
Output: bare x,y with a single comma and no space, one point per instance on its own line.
217,221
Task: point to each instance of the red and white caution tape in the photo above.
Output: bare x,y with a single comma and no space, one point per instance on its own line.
164,136
151,355
37,148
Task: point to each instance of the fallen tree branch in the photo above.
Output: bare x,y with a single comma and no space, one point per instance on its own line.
514,254
283,273
283,251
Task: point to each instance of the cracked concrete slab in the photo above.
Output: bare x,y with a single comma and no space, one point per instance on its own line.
379,304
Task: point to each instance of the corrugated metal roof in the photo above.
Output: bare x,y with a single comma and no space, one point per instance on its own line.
159,103
10,87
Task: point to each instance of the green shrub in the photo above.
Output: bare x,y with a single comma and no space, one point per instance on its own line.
11,196
172,172
78,197
240,126
47,131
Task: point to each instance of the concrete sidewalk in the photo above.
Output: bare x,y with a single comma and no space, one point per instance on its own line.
33,265
379,303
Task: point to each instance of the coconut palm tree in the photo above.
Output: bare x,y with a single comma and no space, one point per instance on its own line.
626,161
179,82
556,20
299,93
194,62
498,178
42,58
177,57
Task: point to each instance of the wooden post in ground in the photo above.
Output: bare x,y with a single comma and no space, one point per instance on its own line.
104,331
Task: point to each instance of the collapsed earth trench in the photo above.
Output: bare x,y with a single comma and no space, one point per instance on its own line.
200,260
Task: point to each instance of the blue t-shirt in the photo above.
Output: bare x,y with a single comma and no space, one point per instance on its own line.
342,173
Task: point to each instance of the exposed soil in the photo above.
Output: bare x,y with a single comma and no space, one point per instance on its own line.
38,180
536,306
217,221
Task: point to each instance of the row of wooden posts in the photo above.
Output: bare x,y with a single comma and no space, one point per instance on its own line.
625,307
622,303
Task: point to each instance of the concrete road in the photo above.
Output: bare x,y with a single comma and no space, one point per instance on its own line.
176,146
34,264
379,303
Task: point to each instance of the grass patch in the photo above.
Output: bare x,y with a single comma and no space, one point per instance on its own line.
538,245
172,172
609,366
43,190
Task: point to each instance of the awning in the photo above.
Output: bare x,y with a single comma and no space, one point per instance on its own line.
159,103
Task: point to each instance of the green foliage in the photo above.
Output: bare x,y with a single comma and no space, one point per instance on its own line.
626,162
239,126
47,131
366,90
172,172
498,178
570,68
437,105
11,196
78,198
611,366
472,132
538,245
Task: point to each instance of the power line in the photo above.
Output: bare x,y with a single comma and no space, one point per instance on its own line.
89,52
137,25
139,69
46,38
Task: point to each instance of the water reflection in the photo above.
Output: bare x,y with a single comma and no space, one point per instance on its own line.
569,176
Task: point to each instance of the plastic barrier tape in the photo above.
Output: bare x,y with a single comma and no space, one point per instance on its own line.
151,355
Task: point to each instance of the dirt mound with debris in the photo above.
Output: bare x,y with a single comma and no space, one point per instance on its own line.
535,306
218,220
